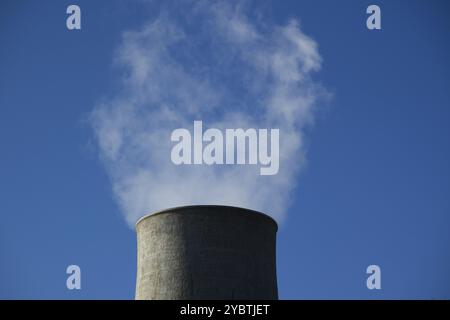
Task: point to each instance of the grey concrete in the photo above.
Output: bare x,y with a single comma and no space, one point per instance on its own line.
206,252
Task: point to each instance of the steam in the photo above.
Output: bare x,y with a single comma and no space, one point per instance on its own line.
207,61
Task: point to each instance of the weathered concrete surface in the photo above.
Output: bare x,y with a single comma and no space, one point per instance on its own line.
206,252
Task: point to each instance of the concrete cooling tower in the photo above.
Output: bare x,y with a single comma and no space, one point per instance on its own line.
206,252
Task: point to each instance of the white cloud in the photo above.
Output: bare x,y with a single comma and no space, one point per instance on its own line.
219,67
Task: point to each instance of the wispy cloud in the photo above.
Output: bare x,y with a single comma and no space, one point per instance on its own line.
206,61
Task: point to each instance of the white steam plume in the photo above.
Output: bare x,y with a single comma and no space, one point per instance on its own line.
210,62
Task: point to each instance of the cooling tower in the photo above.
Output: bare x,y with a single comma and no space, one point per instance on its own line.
206,252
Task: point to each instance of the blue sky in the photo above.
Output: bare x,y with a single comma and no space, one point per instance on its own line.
375,188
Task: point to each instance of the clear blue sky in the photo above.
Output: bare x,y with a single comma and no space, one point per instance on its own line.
376,189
